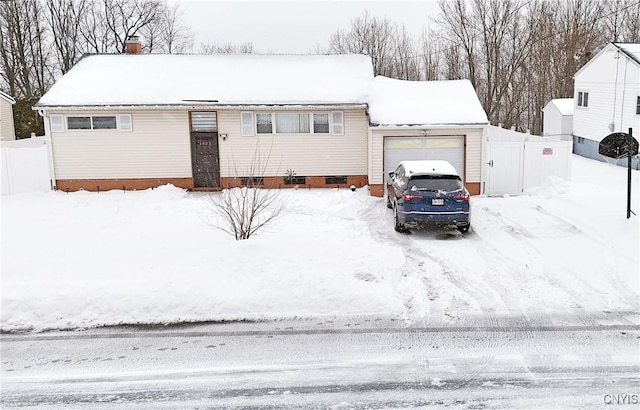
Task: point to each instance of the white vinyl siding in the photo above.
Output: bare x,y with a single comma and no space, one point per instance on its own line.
609,101
158,147
7,130
305,154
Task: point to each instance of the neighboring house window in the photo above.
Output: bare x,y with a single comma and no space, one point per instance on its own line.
121,122
638,106
583,99
293,123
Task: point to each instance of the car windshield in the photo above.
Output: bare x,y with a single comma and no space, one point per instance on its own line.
446,183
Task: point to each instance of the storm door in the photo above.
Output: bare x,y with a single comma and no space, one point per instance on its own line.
204,149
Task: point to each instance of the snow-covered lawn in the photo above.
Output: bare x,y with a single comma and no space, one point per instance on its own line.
562,251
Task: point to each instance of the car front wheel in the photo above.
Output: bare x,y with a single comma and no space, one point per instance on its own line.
464,228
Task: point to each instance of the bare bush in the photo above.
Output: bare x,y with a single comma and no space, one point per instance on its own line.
242,212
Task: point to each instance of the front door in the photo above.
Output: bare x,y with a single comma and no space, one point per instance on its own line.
204,149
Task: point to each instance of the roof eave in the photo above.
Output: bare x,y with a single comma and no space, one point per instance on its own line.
215,106
430,126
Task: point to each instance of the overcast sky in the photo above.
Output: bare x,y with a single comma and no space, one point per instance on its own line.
292,26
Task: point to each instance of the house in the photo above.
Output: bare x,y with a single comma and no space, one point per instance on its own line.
607,98
135,121
7,128
558,119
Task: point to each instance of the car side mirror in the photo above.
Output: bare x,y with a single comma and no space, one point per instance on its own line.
392,174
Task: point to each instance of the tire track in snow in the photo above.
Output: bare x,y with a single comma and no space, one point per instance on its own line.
575,294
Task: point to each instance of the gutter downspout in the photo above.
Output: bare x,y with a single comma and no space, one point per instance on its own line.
49,142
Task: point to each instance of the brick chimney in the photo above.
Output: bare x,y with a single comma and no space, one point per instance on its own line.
132,45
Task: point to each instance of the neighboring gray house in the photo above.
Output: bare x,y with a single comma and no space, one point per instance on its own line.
558,119
607,98
7,129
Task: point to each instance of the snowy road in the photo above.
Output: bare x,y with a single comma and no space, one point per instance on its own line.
340,363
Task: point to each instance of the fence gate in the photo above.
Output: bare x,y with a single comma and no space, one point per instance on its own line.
25,166
505,168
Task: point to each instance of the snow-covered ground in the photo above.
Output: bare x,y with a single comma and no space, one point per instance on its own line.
562,253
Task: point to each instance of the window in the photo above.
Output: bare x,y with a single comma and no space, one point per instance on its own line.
294,180
79,123
264,124
638,106
104,123
204,122
583,99
252,181
320,123
335,180
292,123
121,122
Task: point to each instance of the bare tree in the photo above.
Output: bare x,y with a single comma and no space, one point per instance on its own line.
431,56
228,48
405,64
168,33
622,21
177,36
94,30
64,19
24,55
368,35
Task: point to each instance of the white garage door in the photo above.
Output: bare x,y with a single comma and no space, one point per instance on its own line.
398,149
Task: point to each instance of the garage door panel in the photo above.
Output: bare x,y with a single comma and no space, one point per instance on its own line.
449,149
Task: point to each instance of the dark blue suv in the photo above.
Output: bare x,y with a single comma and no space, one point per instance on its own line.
428,192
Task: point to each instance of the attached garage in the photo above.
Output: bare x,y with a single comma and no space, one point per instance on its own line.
414,120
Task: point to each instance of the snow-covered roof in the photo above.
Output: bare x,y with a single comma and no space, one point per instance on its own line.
154,79
563,105
7,97
429,167
630,49
399,102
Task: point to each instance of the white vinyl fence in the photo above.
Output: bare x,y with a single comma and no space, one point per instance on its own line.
517,161
26,166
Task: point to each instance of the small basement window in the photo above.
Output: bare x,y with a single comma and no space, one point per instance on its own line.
335,180
294,180
252,181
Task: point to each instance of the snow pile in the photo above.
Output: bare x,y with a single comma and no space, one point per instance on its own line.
560,254
89,259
